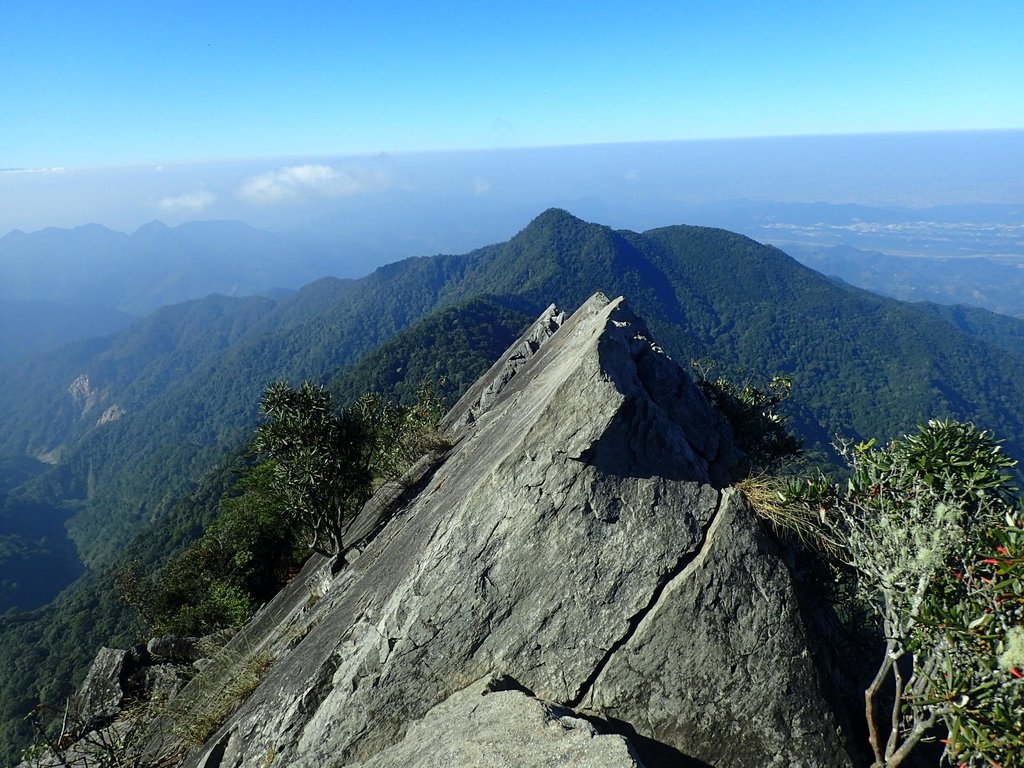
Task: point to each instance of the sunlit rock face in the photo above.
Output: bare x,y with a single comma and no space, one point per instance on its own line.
579,544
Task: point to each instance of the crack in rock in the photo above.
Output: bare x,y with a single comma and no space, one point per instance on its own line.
637,618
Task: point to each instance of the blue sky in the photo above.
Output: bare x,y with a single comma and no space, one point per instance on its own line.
101,83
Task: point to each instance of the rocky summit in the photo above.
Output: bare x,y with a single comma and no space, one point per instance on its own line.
572,583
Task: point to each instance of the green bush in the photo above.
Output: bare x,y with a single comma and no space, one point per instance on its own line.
975,616
929,525
398,435
754,412
320,461
242,559
318,467
326,464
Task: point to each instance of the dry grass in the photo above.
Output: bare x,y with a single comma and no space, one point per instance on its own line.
136,739
153,733
766,496
219,689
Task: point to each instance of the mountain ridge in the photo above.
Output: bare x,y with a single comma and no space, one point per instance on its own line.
574,530
157,265
34,327
861,365
709,292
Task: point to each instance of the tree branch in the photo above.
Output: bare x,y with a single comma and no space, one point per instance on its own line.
921,727
897,711
869,700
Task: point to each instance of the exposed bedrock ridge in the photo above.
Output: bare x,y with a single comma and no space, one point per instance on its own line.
577,540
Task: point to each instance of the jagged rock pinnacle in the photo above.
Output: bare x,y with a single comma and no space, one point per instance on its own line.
580,541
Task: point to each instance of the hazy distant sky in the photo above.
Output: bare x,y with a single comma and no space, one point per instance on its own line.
100,83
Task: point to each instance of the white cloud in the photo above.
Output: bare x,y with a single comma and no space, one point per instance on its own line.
303,181
481,186
32,170
190,202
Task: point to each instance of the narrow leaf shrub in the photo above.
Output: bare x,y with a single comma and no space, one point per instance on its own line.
931,527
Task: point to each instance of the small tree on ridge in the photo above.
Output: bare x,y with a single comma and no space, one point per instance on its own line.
321,460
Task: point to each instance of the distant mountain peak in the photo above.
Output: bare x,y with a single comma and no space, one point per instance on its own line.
556,217
558,226
92,227
556,214
152,226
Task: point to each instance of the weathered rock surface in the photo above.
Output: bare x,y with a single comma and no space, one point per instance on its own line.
488,728
577,539
175,648
114,716
719,667
483,394
111,680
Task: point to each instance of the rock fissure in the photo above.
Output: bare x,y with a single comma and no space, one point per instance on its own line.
318,691
637,619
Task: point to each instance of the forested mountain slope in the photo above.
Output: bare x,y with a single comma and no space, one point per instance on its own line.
35,327
180,389
861,364
995,282
49,402
999,330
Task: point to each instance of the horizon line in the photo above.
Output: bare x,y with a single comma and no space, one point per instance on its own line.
338,155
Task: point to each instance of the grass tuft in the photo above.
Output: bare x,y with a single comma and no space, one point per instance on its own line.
767,496
222,686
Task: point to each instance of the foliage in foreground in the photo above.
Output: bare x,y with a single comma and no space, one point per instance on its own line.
134,740
327,463
932,529
219,580
977,618
319,458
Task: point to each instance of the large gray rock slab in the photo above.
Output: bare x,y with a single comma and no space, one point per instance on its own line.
486,390
545,548
720,666
488,728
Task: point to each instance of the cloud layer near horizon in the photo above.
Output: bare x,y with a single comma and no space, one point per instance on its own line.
298,182
190,202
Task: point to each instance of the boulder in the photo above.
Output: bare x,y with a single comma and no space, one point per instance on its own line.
183,650
720,667
581,539
110,682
